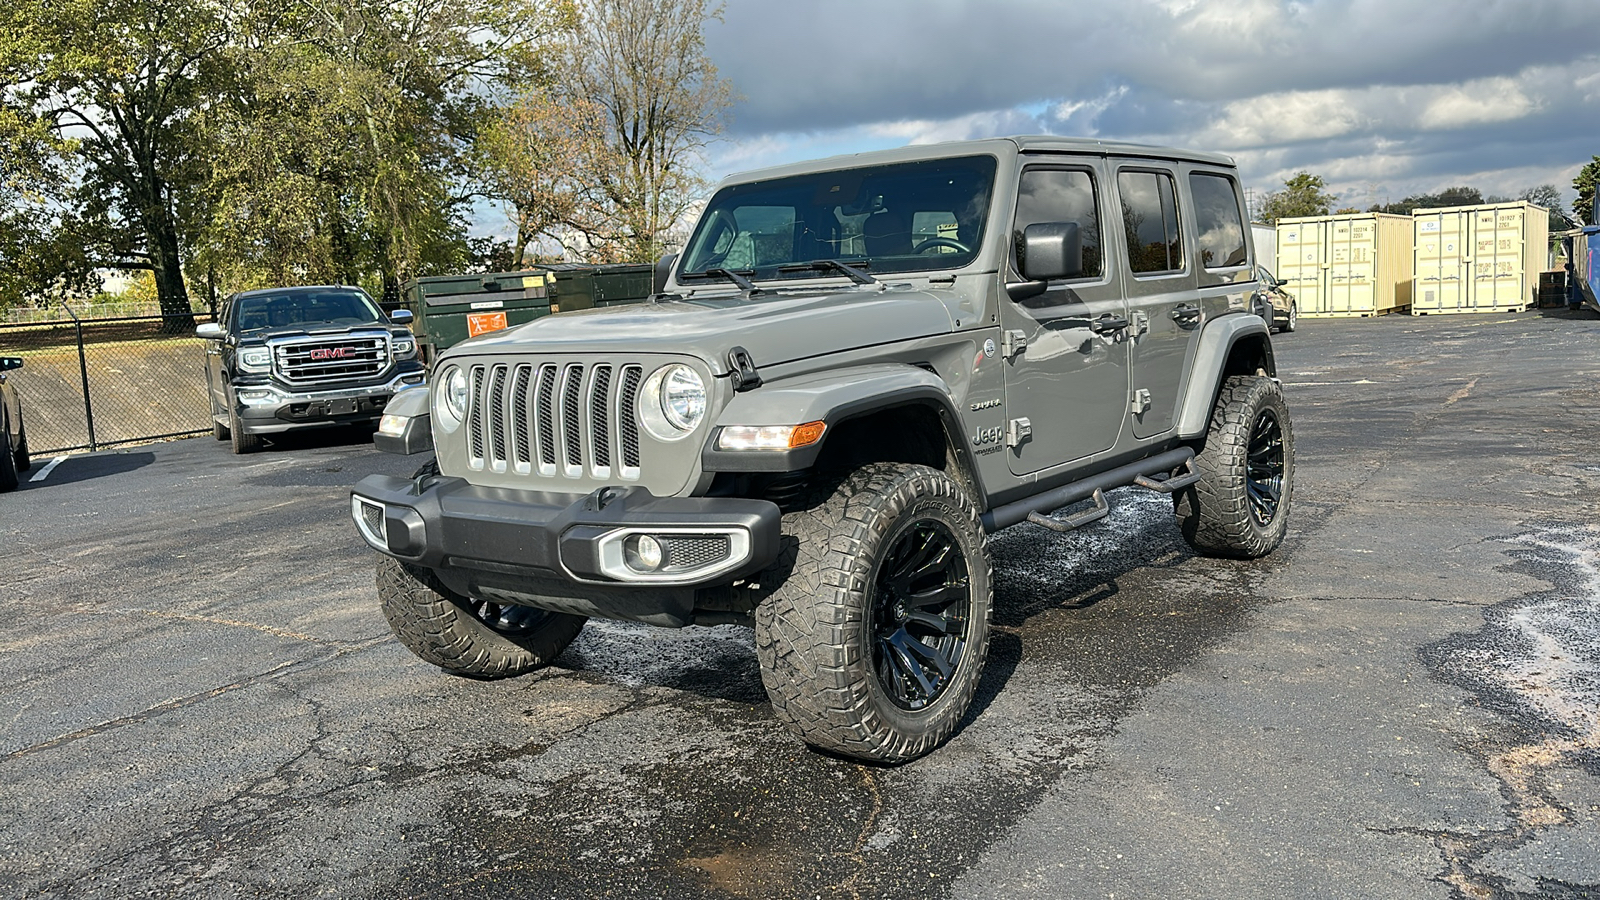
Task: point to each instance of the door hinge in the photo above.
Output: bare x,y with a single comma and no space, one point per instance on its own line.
1140,403
1018,431
1012,343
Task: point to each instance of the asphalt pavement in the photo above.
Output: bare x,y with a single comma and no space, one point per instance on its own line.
199,697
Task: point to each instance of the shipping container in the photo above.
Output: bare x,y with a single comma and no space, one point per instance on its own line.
1356,264
449,309
1484,258
1265,237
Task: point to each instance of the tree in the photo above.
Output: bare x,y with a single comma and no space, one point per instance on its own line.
1584,184
643,62
123,80
1303,194
534,156
1547,196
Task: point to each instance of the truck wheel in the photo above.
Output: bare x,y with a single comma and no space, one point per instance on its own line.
873,645
465,636
23,460
8,462
219,430
243,442
1239,508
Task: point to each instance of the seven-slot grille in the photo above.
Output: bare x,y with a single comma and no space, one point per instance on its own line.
316,361
567,418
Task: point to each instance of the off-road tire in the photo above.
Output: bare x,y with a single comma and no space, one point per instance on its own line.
23,460
815,634
1216,514
243,441
8,462
441,627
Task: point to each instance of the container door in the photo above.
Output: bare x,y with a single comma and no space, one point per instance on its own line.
1352,248
1162,291
1067,380
1498,255
1442,282
1300,263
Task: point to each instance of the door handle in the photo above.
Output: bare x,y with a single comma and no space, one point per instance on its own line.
1186,314
1107,323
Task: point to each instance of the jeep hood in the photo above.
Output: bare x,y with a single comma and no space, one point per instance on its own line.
775,328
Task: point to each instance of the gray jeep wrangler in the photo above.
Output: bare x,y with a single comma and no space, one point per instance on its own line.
857,369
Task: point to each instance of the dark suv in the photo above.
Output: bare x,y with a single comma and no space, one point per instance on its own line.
304,357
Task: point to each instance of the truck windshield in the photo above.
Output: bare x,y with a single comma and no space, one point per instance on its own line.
305,308
905,217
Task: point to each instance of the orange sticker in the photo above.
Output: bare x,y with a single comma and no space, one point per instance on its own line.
481,323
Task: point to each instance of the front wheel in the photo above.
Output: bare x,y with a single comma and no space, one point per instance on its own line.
8,462
1294,318
1239,508
464,635
23,460
243,441
873,645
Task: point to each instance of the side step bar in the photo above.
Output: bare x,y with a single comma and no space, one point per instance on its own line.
1036,508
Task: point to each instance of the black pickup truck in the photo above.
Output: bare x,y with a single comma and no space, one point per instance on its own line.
303,357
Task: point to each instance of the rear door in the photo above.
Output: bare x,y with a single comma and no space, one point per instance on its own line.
1065,377
1158,279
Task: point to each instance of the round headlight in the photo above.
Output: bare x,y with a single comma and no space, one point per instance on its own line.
672,403
683,397
454,398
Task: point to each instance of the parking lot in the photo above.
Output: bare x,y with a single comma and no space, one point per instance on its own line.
202,700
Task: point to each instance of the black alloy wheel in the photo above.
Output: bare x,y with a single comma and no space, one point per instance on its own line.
922,599
1264,467
509,619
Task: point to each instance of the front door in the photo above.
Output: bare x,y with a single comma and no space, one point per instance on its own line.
1067,360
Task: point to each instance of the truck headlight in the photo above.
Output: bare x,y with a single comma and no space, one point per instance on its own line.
673,402
450,402
255,359
404,348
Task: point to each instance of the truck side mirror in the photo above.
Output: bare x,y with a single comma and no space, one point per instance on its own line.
7,363
664,271
1051,250
401,317
210,331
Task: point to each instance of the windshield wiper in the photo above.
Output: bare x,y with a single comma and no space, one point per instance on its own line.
831,265
741,282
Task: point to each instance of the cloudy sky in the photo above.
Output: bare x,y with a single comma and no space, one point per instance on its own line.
1383,98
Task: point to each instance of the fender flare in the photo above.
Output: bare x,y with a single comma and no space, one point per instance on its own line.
830,397
1211,361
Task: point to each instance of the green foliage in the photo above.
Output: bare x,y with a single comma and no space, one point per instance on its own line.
1584,184
1303,194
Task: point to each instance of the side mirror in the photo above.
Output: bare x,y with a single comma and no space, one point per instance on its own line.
1280,282
1051,250
7,363
664,272
210,331
401,317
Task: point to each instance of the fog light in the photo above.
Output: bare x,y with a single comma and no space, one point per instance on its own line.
393,425
256,396
644,553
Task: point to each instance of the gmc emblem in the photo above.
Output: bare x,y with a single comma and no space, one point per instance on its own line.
322,353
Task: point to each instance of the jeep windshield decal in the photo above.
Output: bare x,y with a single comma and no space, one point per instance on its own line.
904,217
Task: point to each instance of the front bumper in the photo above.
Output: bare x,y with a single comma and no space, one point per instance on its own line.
567,552
268,408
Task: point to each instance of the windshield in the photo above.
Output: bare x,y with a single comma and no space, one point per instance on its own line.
341,307
906,217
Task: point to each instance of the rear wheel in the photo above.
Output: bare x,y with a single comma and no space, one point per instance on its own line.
1240,506
873,645
465,635
1294,317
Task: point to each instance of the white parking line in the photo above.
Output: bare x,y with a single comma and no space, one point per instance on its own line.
44,473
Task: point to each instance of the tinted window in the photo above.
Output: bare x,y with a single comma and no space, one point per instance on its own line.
906,217
1150,220
1216,217
1060,195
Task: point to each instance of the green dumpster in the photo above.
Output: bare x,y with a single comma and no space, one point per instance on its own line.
451,308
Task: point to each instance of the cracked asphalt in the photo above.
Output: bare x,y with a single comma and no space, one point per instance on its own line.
199,698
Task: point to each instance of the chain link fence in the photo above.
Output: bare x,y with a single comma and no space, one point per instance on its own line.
96,383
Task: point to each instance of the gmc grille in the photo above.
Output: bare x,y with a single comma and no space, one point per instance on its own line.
314,361
569,419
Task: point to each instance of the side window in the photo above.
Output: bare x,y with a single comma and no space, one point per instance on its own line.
1060,195
1150,220
1217,221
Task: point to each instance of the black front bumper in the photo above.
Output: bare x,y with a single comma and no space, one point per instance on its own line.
544,549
